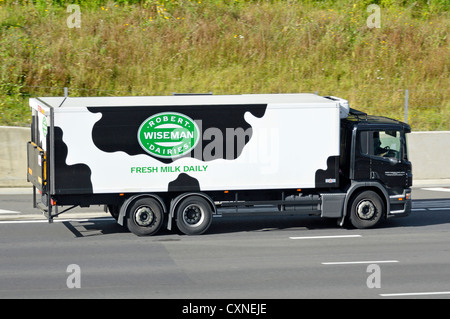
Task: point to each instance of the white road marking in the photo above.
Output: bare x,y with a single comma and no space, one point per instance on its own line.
325,237
37,221
4,211
437,189
416,294
24,221
360,262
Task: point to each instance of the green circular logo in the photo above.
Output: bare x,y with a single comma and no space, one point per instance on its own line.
168,135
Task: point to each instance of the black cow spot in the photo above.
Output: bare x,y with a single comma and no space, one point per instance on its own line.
330,176
69,179
184,183
118,127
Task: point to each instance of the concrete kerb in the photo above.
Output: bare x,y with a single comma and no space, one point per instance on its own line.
429,153
443,182
16,190
13,157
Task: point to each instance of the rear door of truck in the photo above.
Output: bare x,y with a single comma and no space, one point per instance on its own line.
37,147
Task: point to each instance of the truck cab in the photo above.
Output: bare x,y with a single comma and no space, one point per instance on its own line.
374,156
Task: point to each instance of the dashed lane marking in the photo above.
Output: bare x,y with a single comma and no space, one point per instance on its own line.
326,237
437,189
359,262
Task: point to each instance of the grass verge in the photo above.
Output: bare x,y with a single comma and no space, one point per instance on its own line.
230,47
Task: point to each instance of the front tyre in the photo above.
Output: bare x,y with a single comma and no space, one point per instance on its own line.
366,210
145,217
193,215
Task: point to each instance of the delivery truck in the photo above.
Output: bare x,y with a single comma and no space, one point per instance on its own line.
182,160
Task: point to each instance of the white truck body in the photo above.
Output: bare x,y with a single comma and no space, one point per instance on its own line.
286,144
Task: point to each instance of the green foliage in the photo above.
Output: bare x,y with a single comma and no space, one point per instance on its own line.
153,47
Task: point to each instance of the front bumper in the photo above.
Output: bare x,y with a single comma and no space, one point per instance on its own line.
400,205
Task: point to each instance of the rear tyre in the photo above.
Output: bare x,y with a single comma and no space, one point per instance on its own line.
145,217
366,210
193,215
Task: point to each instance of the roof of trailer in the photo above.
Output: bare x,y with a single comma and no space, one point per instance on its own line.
297,98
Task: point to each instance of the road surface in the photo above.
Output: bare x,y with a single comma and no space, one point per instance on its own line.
87,255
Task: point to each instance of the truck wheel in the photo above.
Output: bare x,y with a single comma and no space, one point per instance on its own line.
144,217
193,215
366,209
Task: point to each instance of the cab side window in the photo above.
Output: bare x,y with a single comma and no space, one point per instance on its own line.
385,144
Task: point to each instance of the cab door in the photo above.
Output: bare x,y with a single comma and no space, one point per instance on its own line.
385,151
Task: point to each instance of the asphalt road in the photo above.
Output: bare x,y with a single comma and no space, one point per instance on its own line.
288,257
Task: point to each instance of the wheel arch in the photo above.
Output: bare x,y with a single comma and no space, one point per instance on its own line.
128,201
360,186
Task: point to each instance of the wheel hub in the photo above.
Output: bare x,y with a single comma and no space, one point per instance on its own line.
366,210
192,215
144,216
